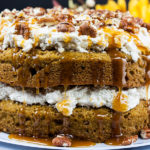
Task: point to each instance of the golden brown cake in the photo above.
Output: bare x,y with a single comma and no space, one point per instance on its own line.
92,124
83,74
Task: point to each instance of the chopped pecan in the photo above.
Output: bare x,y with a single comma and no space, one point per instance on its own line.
146,25
9,13
100,24
65,18
132,24
47,21
28,10
128,24
138,21
145,133
61,141
37,11
130,140
110,14
91,12
65,27
87,29
23,29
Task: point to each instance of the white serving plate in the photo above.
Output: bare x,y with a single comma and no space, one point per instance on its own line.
4,138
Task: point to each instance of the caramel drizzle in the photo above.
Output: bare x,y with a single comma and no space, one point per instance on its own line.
119,74
116,125
119,68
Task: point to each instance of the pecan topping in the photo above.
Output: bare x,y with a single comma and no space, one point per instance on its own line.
65,27
100,24
65,18
130,140
128,24
61,141
146,25
47,21
4,14
37,11
11,14
87,29
28,10
23,29
145,133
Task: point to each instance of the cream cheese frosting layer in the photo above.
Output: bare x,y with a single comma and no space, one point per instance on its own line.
66,30
65,102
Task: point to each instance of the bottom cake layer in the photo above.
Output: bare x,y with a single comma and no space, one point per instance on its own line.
86,123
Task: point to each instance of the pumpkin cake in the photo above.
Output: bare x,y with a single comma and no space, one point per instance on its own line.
74,74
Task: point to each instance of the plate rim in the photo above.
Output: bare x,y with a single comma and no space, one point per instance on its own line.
102,147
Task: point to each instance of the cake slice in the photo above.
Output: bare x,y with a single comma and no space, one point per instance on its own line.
83,74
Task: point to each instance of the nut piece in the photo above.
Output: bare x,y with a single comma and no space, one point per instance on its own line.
130,140
130,24
65,27
49,21
37,11
145,133
65,18
87,29
23,29
61,141
8,13
146,25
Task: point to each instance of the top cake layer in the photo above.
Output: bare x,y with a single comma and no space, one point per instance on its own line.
66,30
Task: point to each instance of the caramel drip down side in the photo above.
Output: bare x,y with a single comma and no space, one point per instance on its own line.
116,128
119,74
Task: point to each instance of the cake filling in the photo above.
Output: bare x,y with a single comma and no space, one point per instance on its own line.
66,100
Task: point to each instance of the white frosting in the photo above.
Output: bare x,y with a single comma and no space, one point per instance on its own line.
48,37
79,95
144,37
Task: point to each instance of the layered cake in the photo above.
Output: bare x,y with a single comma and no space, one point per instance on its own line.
67,74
